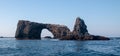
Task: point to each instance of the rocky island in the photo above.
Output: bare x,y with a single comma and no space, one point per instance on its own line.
32,30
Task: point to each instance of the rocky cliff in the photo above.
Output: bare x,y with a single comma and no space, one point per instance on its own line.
32,30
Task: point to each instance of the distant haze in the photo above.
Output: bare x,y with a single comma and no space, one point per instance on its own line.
102,17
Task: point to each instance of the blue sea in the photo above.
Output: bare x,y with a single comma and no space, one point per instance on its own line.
12,47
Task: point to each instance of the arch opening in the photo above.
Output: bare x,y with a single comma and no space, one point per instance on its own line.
46,34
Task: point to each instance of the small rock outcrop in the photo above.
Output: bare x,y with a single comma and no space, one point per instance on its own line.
49,37
32,30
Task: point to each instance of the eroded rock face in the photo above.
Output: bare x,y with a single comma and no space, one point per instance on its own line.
32,30
29,30
80,32
80,28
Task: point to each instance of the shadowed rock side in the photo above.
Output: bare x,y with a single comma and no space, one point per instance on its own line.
32,30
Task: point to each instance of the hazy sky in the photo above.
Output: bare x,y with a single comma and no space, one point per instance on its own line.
102,17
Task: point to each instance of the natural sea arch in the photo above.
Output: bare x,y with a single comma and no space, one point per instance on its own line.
33,30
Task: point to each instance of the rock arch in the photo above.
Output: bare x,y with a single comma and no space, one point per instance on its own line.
32,30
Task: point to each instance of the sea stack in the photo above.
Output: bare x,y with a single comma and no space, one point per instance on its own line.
80,28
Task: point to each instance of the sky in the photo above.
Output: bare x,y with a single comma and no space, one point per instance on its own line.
102,17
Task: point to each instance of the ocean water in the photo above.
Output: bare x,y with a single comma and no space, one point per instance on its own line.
12,47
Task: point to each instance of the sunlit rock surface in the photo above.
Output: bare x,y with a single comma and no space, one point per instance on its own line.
32,30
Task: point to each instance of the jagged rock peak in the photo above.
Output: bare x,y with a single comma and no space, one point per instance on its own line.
80,27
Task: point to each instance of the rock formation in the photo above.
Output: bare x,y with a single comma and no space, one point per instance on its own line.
32,30
80,28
